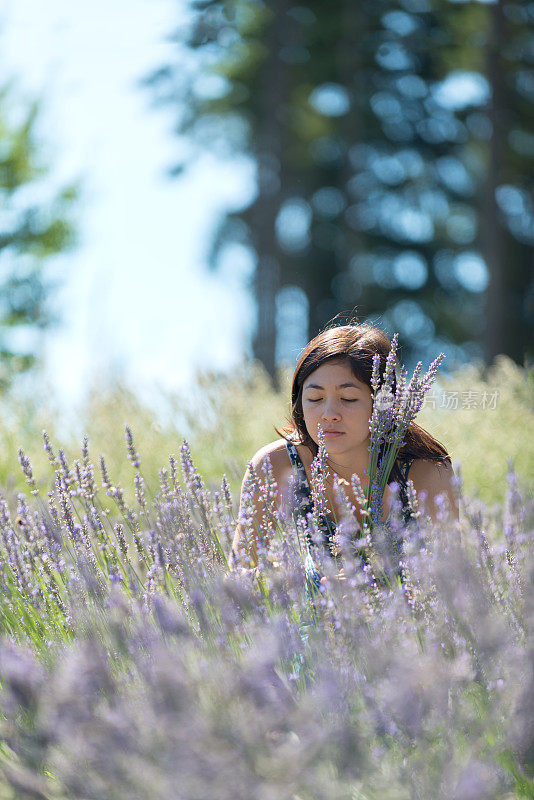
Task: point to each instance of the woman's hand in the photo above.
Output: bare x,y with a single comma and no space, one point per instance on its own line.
238,571
339,577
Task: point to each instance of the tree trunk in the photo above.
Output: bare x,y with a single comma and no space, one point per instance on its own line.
493,234
271,135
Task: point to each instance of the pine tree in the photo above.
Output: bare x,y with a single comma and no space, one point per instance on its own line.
376,191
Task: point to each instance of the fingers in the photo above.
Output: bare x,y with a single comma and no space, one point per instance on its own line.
339,577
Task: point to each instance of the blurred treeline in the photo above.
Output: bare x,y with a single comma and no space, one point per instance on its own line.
393,143
227,417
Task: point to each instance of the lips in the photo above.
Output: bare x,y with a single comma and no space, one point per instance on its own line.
333,433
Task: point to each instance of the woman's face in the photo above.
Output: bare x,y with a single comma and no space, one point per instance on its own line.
335,399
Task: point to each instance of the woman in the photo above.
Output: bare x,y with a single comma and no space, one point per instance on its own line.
331,389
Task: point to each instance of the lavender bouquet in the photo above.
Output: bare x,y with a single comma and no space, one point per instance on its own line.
393,411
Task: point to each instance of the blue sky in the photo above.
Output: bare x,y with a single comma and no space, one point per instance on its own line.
136,298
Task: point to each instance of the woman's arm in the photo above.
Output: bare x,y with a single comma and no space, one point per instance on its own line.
257,506
435,479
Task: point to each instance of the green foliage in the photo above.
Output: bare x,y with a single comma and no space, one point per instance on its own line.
35,227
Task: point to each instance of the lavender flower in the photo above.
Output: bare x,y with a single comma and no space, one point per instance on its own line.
140,491
375,377
24,462
318,483
68,477
106,481
87,483
65,506
389,370
413,502
247,555
358,492
347,528
133,455
119,533
164,485
225,486
174,474
192,477
48,449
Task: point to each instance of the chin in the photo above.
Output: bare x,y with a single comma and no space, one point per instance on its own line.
339,443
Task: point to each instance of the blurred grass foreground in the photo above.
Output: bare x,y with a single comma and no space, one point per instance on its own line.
134,666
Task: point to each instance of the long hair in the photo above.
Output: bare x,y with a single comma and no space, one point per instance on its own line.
356,345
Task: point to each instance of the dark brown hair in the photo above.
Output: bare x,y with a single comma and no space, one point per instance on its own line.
355,344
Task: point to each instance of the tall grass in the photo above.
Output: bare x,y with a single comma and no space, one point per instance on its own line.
484,440
133,665
226,418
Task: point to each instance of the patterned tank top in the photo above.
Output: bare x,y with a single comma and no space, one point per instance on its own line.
327,528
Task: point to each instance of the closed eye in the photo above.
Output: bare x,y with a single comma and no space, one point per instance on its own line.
343,399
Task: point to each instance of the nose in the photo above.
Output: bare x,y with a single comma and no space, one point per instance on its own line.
330,411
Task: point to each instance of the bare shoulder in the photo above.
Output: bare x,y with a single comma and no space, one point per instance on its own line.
434,479
427,475
276,453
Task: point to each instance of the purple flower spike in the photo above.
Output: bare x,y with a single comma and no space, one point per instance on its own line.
106,480
133,455
322,455
389,370
28,472
48,449
319,471
140,491
375,378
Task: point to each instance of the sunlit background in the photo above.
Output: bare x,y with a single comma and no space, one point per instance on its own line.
232,176
133,295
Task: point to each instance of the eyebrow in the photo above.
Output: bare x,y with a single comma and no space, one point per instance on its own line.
341,386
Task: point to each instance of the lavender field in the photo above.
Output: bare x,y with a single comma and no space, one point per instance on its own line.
133,664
